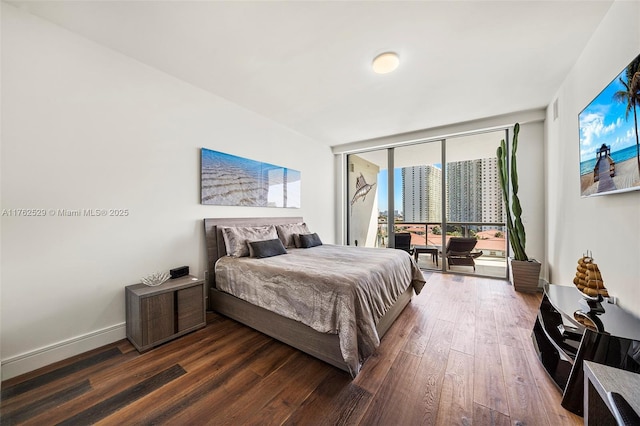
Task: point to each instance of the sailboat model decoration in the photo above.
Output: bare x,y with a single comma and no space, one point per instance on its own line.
589,281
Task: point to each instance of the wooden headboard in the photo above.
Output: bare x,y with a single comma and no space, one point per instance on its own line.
215,242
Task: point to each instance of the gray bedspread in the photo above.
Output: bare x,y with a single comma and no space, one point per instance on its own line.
342,290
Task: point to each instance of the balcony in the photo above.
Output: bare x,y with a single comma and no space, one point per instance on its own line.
491,241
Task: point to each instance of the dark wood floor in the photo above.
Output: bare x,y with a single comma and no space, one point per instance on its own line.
460,353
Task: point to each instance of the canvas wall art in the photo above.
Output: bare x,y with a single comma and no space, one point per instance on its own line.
229,180
609,136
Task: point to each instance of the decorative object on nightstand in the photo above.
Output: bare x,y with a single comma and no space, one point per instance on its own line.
161,313
179,272
155,279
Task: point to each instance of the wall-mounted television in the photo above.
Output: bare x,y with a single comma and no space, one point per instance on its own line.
609,136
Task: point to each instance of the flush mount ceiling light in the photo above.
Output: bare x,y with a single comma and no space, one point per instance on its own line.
385,62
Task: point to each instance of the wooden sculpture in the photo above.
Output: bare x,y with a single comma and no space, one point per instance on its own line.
589,279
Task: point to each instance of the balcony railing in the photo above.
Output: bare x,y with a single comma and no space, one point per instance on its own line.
491,236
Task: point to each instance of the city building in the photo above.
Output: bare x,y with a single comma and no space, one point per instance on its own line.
421,194
473,192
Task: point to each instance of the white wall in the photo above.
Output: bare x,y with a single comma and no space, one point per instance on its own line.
609,225
84,127
364,211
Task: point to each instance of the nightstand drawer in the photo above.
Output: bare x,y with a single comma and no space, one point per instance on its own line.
190,307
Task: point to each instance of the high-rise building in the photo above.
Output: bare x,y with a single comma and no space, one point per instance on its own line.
492,206
464,191
473,192
422,194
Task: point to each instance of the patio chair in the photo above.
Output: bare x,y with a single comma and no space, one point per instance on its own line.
459,252
403,241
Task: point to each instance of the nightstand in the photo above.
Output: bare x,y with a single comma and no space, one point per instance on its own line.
158,314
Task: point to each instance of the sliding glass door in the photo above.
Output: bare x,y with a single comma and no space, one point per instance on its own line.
433,191
474,202
418,193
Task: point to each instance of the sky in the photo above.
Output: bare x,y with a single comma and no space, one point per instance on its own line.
603,121
383,190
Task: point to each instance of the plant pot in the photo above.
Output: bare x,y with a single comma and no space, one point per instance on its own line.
524,275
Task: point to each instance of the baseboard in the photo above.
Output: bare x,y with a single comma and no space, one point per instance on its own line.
29,361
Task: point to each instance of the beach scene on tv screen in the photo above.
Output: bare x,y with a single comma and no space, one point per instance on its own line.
609,138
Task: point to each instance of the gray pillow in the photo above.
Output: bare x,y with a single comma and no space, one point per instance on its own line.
236,237
309,240
289,231
267,248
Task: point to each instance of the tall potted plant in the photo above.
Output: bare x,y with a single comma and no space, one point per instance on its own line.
524,272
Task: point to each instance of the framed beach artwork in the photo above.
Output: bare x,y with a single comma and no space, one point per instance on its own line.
609,138
228,180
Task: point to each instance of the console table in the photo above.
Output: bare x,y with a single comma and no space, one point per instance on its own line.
563,343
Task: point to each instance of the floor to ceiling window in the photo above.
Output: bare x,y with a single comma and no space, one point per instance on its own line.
474,207
419,192
434,191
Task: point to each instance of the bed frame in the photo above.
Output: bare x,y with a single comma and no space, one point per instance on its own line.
320,345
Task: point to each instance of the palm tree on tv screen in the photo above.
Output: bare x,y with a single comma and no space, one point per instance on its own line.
631,95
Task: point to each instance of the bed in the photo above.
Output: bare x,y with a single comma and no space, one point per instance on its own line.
332,302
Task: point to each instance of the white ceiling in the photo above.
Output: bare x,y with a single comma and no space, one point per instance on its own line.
306,65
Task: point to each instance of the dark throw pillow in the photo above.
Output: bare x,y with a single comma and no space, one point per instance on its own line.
267,248
309,240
